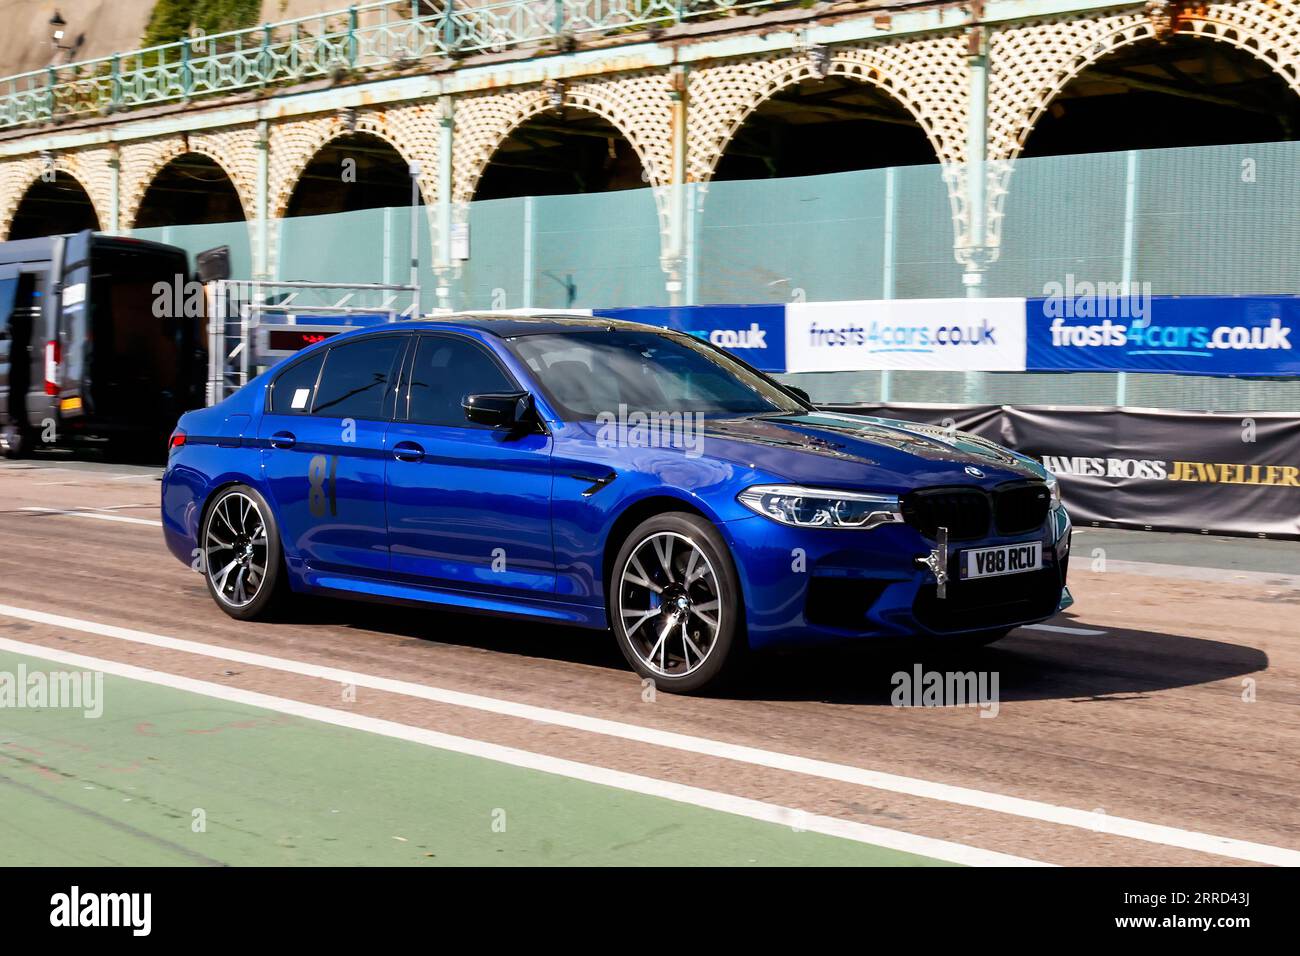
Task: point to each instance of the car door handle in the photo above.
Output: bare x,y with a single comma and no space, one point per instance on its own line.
408,451
283,440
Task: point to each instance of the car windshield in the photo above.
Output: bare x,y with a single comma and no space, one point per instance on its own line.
587,373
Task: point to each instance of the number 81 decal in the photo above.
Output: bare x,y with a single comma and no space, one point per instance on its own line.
321,499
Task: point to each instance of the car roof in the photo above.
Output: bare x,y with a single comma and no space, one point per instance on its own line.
506,325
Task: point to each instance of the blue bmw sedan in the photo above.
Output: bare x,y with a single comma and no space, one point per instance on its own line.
606,474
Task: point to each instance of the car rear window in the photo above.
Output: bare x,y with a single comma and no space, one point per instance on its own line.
295,387
357,378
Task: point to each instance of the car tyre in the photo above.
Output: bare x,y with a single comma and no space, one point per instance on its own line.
243,563
675,604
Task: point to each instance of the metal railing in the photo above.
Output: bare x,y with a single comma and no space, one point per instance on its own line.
241,310
370,36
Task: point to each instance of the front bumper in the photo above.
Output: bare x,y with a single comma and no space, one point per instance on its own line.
804,586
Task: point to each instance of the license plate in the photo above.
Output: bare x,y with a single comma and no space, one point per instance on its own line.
1004,559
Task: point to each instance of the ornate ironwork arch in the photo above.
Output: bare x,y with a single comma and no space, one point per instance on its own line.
926,75
230,150
1033,61
91,169
294,144
638,106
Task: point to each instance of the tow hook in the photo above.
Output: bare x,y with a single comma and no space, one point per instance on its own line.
937,562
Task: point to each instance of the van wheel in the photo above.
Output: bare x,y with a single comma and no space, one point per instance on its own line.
242,561
15,440
675,603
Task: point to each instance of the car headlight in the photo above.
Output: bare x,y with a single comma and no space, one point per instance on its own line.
802,507
1054,487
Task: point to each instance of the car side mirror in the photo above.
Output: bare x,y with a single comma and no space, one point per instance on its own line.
498,409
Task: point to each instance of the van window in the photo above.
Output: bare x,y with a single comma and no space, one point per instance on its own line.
8,293
295,387
357,378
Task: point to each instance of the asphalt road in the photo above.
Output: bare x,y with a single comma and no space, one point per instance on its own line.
1157,722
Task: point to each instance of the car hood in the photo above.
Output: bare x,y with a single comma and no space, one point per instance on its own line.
827,448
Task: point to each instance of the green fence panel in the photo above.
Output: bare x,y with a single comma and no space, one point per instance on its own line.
809,238
597,249
493,276
202,236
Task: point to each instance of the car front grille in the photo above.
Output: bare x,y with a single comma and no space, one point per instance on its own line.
963,511
1021,507
1015,508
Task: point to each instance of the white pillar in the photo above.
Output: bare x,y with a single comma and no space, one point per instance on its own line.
262,254
115,191
976,150
442,245
1130,248
528,264
677,207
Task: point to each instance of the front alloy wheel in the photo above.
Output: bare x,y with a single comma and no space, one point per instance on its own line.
675,610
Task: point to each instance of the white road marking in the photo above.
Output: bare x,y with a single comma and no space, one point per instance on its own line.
1195,573
1060,629
96,514
874,779
86,469
635,783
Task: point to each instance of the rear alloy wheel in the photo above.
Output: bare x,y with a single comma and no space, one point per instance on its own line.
676,607
241,553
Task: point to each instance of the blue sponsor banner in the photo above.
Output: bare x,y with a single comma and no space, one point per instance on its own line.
1190,335
754,333
272,315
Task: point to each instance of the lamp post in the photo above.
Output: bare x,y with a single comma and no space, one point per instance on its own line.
58,31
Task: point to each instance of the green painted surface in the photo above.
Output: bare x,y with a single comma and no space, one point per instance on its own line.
123,788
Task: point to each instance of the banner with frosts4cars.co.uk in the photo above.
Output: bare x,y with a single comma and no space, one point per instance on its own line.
1083,328
1196,335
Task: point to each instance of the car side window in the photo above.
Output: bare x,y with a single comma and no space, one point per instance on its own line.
357,377
295,387
446,369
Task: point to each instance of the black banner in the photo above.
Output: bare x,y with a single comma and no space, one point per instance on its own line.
1139,468
340,907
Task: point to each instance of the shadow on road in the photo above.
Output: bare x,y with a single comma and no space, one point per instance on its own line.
1031,665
